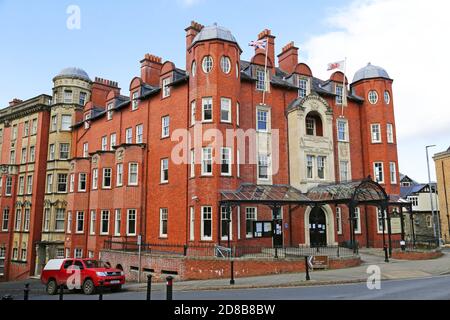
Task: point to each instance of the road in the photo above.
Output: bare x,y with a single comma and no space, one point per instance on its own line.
435,288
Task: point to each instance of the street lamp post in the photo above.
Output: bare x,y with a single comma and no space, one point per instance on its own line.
436,223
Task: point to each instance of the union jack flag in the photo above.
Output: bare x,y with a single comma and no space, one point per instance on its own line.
258,44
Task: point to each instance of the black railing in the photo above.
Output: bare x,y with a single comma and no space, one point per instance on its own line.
236,251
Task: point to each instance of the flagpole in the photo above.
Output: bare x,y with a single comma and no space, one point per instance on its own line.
344,89
265,73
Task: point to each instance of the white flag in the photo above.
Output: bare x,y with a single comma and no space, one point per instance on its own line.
340,65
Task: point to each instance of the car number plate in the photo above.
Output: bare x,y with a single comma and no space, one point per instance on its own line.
115,282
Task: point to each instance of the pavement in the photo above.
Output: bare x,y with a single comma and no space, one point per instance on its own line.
394,270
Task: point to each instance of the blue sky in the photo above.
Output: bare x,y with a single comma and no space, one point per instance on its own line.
115,35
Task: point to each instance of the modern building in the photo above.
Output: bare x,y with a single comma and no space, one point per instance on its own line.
222,150
418,194
442,163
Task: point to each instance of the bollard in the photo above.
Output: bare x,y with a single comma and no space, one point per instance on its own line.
61,292
169,288
232,282
386,255
100,291
26,292
308,278
276,252
149,287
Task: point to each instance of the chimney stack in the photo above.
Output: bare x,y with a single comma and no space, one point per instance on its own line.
151,69
191,32
100,90
15,102
288,58
267,34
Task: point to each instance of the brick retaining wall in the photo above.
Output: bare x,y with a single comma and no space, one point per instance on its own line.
188,268
416,255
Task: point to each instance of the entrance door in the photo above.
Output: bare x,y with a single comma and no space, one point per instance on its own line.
278,233
318,228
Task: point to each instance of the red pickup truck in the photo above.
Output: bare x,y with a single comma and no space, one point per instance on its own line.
76,274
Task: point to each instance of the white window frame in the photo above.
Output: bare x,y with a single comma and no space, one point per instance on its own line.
113,141
164,168
80,218
339,94
66,122
92,223
238,114
119,175
51,152
390,133
372,97
129,135
85,150
104,143
344,164
80,189
225,106
339,220
393,172
387,97
210,218
322,165
104,171
130,173
5,220
207,64
69,222
251,214
95,179
191,223
104,213
166,87
310,164
264,159
375,165
223,215
207,157
139,134
193,112
375,130
58,218
109,114
261,80
62,147
163,217
130,213
165,127
26,218
117,222
135,102
358,224
261,119
225,64
339,130
192,163
207,102
380,221
229,159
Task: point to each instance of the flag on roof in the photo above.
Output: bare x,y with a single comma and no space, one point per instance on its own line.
259,44
340,65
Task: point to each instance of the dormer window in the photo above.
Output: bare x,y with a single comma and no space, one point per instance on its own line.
87,117
109,114
135,102
339,94
261,82
302,88
166,87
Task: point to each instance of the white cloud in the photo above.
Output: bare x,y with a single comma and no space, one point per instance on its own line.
409,38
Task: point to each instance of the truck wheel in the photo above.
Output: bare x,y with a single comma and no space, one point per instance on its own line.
52,287
116,288
88,287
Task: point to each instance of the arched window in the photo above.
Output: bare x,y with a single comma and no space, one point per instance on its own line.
314,125
207,64
194,68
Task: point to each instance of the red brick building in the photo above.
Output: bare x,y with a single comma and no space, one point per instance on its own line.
163,159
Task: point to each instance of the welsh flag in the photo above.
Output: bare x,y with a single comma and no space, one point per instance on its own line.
340,65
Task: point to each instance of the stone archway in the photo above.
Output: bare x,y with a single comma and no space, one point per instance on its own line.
329,222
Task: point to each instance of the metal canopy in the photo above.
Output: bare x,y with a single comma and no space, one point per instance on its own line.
265,194
365,191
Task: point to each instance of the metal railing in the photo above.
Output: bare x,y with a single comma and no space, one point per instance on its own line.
236,251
